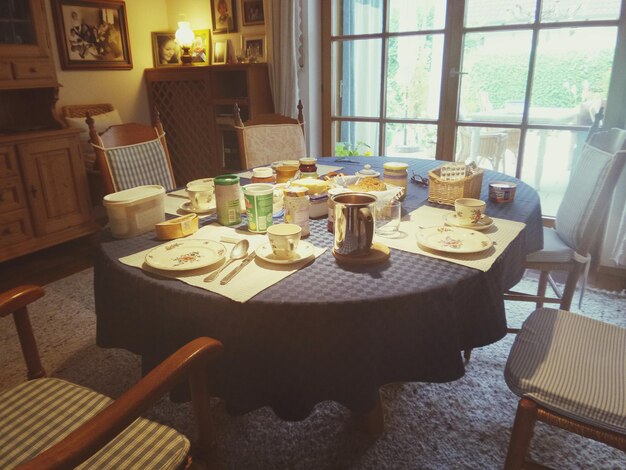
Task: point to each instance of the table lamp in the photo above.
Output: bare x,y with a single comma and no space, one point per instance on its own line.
184,37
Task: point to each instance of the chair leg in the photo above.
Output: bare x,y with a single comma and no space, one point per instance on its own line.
467,354
570,286
521,435
541,288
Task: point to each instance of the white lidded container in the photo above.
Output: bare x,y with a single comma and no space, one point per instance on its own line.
135,211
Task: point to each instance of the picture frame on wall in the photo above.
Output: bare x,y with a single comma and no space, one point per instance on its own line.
252,12
223,16
92,34
254,48
165,50
201,48
220,52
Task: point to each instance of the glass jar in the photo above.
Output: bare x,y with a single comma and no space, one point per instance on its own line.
297,208
263,175
395,173
308,167
228,199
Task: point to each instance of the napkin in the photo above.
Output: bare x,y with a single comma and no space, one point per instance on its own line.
502,233
254,278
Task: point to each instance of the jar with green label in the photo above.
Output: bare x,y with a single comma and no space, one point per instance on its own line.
228,199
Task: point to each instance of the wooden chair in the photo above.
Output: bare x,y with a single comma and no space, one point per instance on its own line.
270,137
492,147
570,371
130,155
579,217
51,423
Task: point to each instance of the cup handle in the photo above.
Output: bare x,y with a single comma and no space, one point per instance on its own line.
366,226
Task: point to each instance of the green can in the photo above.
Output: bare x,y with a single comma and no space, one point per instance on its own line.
228,199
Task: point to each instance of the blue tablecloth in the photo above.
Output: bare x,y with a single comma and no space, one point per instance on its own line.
326,332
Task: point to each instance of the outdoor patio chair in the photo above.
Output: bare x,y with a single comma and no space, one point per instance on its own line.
270,137
570,372
50,423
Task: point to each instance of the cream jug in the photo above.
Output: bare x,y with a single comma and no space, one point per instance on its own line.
354,224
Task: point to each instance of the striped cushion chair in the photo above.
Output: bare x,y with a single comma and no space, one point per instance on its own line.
51,423
130,155
578,220
570,371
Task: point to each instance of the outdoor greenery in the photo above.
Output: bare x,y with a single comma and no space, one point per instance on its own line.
346,149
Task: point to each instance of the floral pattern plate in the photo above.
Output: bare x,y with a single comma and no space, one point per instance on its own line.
453,240
183,255
483,224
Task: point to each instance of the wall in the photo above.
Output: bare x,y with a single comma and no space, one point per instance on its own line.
125,89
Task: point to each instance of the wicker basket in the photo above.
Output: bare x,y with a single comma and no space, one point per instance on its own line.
446,192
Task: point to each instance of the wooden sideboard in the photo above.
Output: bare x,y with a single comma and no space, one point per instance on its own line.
196,103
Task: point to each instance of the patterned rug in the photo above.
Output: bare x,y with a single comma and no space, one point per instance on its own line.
462,424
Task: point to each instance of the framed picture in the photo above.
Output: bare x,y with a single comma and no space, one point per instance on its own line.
165,49
201,47
220,51
252,12
224,17
92,34
254,48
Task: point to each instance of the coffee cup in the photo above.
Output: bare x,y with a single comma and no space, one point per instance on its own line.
284,239
200,195
469,211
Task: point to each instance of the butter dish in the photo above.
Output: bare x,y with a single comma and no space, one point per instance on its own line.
177,228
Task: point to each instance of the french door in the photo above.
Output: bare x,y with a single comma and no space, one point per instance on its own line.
512,85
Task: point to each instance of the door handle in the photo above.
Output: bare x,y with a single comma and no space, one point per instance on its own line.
455,73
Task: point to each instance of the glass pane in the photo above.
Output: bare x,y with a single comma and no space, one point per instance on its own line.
491,148
358,86
496,68
414,76
579,10
356,138
409,15
498,12
357,17
572,73
549,157
410,140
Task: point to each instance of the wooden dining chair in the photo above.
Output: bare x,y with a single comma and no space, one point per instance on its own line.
570,372
585,203
269,137
132,154
50,423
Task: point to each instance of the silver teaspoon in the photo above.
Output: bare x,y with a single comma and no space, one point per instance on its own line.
240,250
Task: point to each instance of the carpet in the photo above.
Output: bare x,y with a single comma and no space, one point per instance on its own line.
462,424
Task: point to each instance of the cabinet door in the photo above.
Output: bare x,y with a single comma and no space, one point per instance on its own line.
55,183
26,33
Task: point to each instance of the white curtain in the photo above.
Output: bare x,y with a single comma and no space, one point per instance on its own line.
284,23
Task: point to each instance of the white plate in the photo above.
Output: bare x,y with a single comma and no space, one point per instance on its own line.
183,255
304,250
186,207
483,224
453,240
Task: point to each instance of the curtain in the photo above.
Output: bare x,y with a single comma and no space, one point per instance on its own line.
284,24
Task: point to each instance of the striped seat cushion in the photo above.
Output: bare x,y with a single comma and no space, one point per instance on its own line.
573,365
39,413
138,165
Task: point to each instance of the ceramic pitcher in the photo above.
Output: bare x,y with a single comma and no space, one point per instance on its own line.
354,223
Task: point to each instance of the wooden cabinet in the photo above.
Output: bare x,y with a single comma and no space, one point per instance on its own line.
196,107
25,58
44,198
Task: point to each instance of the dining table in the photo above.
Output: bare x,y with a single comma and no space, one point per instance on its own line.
328,331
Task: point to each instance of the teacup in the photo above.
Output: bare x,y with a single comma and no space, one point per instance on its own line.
284,239
200,195
469,211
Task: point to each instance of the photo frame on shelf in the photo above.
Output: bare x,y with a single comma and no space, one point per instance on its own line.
92,34
201,48
254,48
223,16
220,52
252,12
165,50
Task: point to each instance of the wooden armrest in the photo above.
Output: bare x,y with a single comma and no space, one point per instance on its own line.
80,444
18,298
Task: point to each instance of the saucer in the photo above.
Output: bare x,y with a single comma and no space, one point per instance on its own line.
483,224
186,206
304,250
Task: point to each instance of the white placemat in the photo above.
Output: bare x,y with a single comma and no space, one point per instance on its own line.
321,171
254,278
502,233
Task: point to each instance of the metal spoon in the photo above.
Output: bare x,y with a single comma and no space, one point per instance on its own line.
240,250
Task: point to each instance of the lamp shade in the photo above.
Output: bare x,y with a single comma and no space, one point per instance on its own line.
184,34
